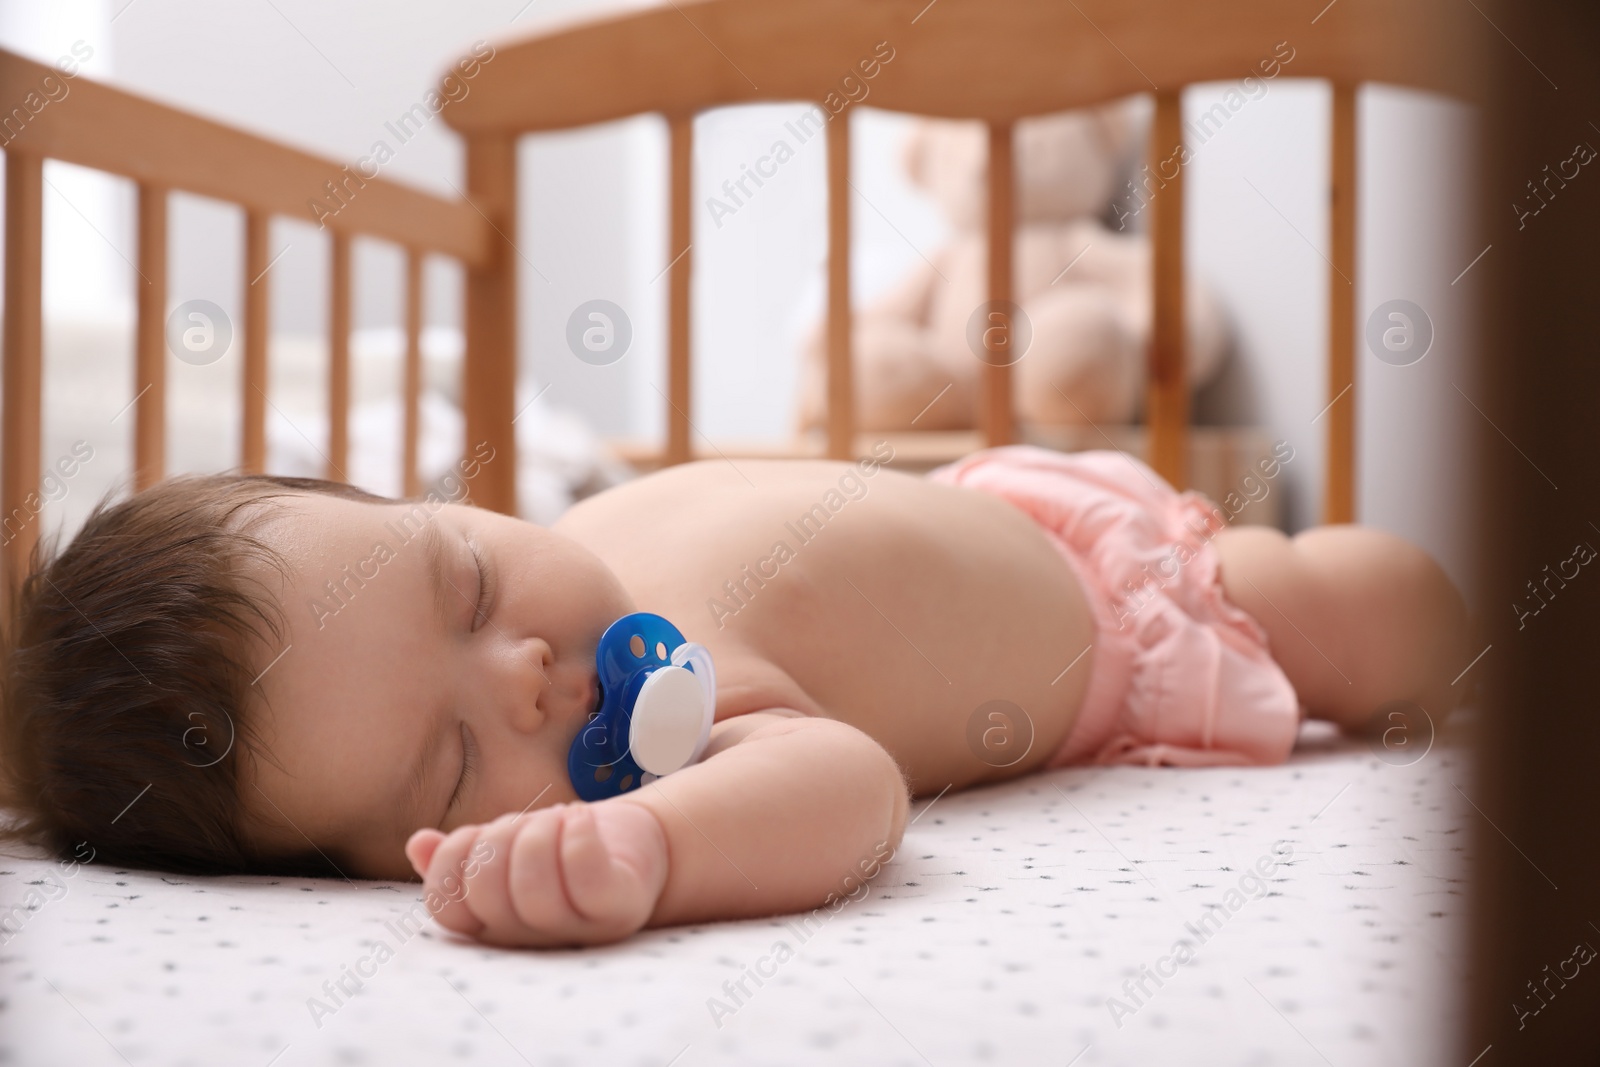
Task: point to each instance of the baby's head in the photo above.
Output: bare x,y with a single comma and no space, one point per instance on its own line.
243,673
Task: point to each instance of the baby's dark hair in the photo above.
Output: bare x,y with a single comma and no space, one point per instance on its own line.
127,672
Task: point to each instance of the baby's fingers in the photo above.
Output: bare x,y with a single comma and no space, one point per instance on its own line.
444,886
535,874
604,892
488,881
420,848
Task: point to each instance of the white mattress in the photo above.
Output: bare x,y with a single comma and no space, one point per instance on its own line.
1009,917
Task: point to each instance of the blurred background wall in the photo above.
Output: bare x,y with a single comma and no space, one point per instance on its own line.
328,78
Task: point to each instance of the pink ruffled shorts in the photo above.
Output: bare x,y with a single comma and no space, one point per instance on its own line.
1180,674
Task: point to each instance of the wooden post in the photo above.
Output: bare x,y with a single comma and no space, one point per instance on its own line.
150,359
841,373
680,273
1339,485
491,365
998,421
410,477
19,466
339,360
1167,396
257,327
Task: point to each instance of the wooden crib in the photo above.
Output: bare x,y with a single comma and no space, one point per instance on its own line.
998,61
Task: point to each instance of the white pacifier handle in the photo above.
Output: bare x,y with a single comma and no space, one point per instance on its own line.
671,721
700,657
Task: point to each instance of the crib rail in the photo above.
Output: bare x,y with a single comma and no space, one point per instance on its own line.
997,61
164,149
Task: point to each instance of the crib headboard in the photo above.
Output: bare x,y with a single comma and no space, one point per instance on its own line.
993,60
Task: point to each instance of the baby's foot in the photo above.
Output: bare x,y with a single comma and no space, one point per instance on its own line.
570,874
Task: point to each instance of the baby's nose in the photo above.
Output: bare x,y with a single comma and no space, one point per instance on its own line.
527,684
567,694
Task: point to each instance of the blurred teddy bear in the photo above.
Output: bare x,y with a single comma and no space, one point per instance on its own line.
1084,287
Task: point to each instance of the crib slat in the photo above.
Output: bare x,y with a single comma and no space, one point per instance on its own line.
841,370
253,445
19,466
339,361
680,234
1167,384
411,479
150,359
1338,502
490,378
998,422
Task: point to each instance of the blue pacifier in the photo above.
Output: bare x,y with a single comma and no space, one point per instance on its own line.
658,697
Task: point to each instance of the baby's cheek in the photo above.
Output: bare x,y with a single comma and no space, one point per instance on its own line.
532,781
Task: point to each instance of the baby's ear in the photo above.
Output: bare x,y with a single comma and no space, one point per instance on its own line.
420,849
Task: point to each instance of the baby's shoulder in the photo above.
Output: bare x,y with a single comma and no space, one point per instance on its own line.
728,487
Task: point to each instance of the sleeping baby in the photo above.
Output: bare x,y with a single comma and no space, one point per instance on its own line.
232,673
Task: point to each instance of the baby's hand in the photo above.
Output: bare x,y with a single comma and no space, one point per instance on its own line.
570,874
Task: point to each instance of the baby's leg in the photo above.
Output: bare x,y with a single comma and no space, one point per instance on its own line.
1356,617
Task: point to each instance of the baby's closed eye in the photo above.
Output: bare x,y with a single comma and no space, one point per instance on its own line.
486,584
469,766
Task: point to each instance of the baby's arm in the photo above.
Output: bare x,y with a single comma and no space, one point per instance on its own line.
780,813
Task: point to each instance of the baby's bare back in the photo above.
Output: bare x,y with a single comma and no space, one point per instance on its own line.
886,601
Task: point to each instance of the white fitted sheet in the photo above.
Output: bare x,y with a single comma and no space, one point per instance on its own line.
1008,918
